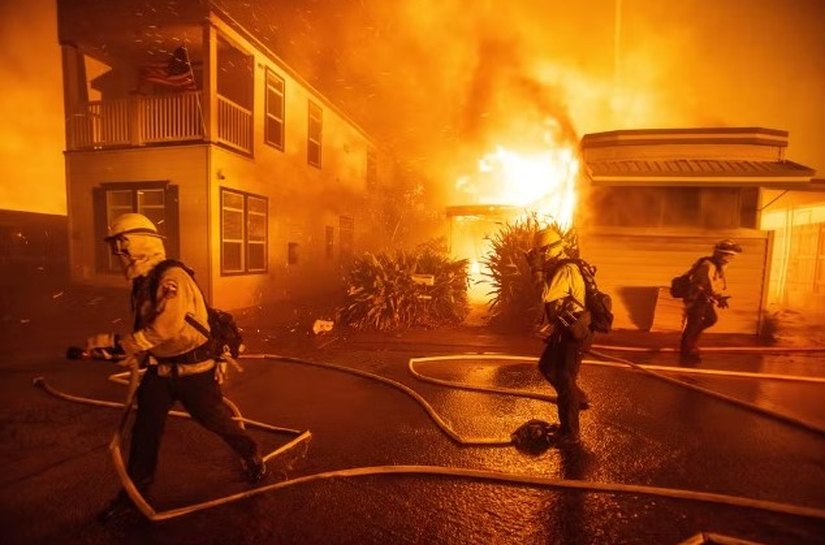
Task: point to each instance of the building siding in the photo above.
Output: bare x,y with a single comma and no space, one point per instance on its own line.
636,269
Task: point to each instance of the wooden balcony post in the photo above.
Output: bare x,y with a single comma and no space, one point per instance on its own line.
135,117
74,97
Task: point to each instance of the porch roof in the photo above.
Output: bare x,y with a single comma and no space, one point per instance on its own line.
696,172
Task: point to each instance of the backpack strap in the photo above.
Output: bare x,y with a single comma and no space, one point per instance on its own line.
197,325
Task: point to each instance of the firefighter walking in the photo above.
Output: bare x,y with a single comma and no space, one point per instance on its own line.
563,296
178,358
707,292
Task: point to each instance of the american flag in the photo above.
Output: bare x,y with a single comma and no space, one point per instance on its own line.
176,72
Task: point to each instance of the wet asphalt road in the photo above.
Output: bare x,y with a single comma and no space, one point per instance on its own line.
55,471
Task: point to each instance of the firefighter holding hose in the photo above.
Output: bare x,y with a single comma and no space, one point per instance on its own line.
179,363
563,297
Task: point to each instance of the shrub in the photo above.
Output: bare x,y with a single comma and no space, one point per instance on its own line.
382,295
515,297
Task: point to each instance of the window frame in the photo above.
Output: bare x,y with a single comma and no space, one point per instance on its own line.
271,81
134,189
244,241
315,114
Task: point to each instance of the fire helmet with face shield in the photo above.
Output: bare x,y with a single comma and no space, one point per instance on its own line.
131,223
548,242
135,240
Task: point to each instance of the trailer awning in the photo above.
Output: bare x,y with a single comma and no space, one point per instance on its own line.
686,172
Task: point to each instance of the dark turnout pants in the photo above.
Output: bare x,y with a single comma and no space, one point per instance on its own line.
201,397
701,314
560,363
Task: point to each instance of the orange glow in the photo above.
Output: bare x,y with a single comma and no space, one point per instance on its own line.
542,183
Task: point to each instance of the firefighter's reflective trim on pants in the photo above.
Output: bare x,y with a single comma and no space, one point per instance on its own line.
183,369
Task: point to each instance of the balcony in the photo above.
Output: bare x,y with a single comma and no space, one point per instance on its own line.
141,120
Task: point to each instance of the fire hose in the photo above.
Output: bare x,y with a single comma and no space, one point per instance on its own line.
721,349
486,475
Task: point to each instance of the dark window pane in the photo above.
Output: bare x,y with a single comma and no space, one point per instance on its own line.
314,154
682,206
256,257
232,260
748,210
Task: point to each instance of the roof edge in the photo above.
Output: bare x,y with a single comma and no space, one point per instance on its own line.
720,135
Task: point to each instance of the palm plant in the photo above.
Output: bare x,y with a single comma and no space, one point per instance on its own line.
515,303
382,292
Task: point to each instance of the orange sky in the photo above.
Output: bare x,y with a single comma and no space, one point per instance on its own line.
443,78
31,108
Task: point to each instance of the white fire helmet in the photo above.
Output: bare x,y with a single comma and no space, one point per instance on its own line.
132,223
135,240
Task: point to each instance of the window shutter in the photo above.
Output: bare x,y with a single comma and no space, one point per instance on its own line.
172,221
101,229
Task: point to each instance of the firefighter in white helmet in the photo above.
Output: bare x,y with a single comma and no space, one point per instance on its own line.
178,357
708,285
563,297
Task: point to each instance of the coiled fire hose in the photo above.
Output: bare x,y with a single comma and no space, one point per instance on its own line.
493,476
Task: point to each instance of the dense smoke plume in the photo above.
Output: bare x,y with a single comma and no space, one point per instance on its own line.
442,79
438,81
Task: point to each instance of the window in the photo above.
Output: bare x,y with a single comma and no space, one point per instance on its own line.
329,240
710,207
346,230
316,124
244,227
681,205
749,208
372,169
274,110
155,200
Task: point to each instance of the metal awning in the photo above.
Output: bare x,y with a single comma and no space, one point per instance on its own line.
697,172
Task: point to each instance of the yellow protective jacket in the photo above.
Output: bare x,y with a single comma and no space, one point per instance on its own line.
566,281
160,327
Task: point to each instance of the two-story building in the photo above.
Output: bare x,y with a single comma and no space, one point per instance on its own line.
176,111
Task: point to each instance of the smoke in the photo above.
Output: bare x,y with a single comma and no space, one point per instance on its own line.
441,80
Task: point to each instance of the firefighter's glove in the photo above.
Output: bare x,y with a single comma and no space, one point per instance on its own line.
104,346
723,302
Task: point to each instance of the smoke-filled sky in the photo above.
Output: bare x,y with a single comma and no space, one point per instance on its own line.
443,81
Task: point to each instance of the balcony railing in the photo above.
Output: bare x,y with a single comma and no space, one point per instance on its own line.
142,120
234,125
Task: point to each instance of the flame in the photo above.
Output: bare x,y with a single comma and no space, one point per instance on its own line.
542,183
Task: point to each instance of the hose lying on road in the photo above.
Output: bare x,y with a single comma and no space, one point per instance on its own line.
494,476
729,349
625,363
738,402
